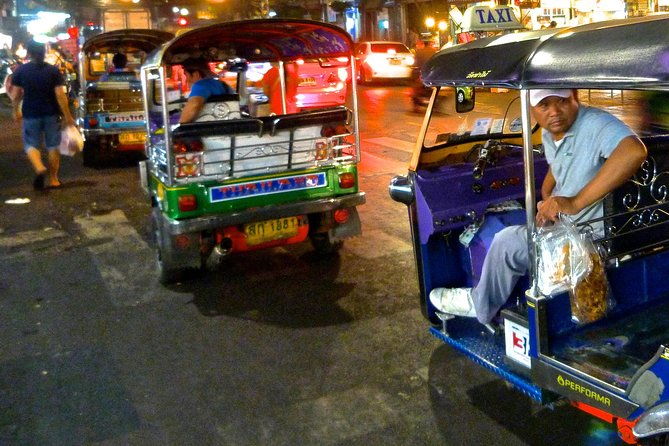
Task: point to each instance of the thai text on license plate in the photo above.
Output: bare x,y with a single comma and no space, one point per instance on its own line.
275,229
132,138
307,81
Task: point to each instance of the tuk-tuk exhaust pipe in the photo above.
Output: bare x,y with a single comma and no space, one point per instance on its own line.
220,251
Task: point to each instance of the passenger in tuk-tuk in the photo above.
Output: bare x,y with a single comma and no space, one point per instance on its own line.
271,83
590,153
120,61
204,84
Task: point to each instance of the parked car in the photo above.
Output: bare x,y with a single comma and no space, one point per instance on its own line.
322,82
384,60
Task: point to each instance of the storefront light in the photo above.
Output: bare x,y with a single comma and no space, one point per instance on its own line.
429,22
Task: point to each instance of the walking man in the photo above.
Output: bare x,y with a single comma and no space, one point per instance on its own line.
42,88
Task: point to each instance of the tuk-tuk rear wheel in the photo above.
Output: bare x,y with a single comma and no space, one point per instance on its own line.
324,245
167,274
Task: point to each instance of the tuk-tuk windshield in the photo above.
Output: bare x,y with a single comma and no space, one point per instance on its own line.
496,114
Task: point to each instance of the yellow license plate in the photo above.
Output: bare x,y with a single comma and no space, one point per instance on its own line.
266,231
132,138
307,81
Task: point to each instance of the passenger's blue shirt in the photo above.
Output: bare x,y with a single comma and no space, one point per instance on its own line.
39,82
208,87
576,159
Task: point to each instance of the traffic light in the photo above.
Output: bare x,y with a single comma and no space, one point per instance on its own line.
182,21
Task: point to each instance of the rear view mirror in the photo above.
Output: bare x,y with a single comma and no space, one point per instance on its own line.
464,99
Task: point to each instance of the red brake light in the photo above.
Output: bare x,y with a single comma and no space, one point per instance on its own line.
346,180
187,203
341,215
327,131
93,122
187,145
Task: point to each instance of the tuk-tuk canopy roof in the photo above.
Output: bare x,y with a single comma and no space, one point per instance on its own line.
489,18
126,40
617,54
257,40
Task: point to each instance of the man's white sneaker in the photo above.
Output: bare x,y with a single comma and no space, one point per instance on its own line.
456,301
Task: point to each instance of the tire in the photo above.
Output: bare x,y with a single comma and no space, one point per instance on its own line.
323,245
96,154
461,97
365,77
167,273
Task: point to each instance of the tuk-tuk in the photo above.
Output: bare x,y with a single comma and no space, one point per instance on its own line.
248,173
476,167
110,113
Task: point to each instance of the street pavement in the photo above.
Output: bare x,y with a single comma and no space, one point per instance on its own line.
279,347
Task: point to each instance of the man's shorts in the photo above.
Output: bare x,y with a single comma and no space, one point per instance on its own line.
36,130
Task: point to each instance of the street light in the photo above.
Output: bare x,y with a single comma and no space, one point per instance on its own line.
429,22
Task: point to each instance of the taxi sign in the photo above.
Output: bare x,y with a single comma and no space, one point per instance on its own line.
489,18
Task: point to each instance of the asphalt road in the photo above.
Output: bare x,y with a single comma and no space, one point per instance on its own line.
280,347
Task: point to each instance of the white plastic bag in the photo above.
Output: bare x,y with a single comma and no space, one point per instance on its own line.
71,141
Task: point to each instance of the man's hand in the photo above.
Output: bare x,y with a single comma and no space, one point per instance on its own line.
548,210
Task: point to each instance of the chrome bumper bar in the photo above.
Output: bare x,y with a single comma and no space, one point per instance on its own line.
176,227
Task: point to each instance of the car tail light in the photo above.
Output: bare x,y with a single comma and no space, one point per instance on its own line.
341,215
327,131
187,203
346,180
343,74
410,60
187,145
92,122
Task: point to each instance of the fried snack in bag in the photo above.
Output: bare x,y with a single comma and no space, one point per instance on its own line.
562,258
589,299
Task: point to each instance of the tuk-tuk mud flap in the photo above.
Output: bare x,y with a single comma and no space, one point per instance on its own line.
574,388
489,351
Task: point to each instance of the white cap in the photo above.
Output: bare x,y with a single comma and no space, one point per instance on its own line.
537,96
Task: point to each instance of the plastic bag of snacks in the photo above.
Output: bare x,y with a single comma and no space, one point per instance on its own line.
589,298
569,261
562,259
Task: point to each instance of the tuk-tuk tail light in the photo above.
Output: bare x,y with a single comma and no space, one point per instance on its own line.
93,122
346,180
341,215
187,203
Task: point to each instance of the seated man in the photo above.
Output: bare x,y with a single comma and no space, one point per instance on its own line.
119,72
204,84
589,153
271,83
